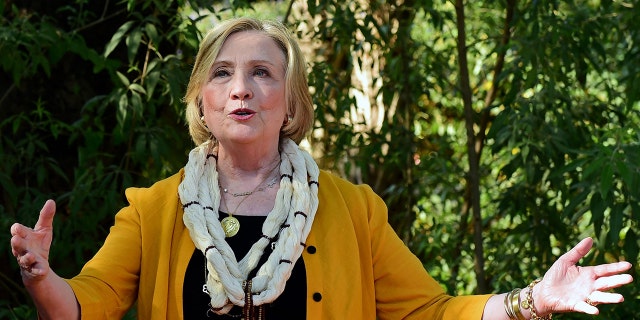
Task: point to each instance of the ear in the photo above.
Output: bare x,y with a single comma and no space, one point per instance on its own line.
287,120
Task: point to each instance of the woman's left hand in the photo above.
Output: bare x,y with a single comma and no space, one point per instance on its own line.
567,287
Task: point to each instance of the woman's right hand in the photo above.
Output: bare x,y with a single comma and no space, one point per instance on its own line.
31,246
52,295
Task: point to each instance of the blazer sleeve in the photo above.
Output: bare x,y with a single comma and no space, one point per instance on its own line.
403,288
107,285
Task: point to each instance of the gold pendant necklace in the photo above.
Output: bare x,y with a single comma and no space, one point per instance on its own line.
230,224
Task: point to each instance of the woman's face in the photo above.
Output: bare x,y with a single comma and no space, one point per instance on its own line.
244,95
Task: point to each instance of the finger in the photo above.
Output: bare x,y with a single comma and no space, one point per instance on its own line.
585,307
18,246
18,230
45,221
609,269
29,265
599,297
25,260
27,269
29,258
578,252
24,263
611,282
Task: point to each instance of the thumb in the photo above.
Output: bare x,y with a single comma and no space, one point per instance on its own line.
578,252
45,221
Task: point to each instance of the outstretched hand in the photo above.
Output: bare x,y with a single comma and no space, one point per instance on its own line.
567,287
31,246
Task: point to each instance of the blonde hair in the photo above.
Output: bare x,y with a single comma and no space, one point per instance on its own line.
299,104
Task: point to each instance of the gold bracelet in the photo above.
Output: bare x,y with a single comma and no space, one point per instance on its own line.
508,308
515,304
528,303
512,305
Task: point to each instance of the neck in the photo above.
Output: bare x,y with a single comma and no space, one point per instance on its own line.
241,174
247,161
230,172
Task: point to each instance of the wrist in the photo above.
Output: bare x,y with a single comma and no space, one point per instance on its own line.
530,295
537,295
34,280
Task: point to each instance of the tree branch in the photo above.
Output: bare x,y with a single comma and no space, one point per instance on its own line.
473,176
497,70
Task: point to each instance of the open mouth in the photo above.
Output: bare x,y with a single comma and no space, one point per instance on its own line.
243,112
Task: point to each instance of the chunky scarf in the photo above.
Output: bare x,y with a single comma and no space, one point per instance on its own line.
290,222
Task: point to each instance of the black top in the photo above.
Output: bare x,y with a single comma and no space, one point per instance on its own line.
291,304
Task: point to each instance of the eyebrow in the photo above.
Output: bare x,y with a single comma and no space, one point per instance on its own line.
251,62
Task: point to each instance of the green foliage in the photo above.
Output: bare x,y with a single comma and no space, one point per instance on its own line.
552,97
569,136
91,105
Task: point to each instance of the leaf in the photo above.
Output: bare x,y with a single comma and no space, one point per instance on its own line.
606,178
635,211
597,207
626,174
136,104
152,80
570,167
9,188
117,37
123,79
525,153
631,246
133,43
575,201
152,33
137,88
44,63
592,167
615,224
624,171
123,106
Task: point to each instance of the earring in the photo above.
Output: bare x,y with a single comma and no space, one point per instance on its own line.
204,123
288,120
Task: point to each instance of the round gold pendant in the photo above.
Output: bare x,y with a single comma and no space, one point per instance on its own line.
230,225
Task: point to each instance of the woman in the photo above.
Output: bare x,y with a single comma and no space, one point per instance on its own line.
252,228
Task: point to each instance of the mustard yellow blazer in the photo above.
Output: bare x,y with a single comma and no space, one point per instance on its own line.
356,266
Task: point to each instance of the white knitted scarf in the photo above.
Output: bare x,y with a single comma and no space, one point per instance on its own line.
292,216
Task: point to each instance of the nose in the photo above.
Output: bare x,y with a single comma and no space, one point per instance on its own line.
241,88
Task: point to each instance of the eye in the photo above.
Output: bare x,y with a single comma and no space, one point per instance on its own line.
261,72
219,73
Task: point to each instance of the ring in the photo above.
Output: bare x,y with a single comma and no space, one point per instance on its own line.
24,267
591,303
